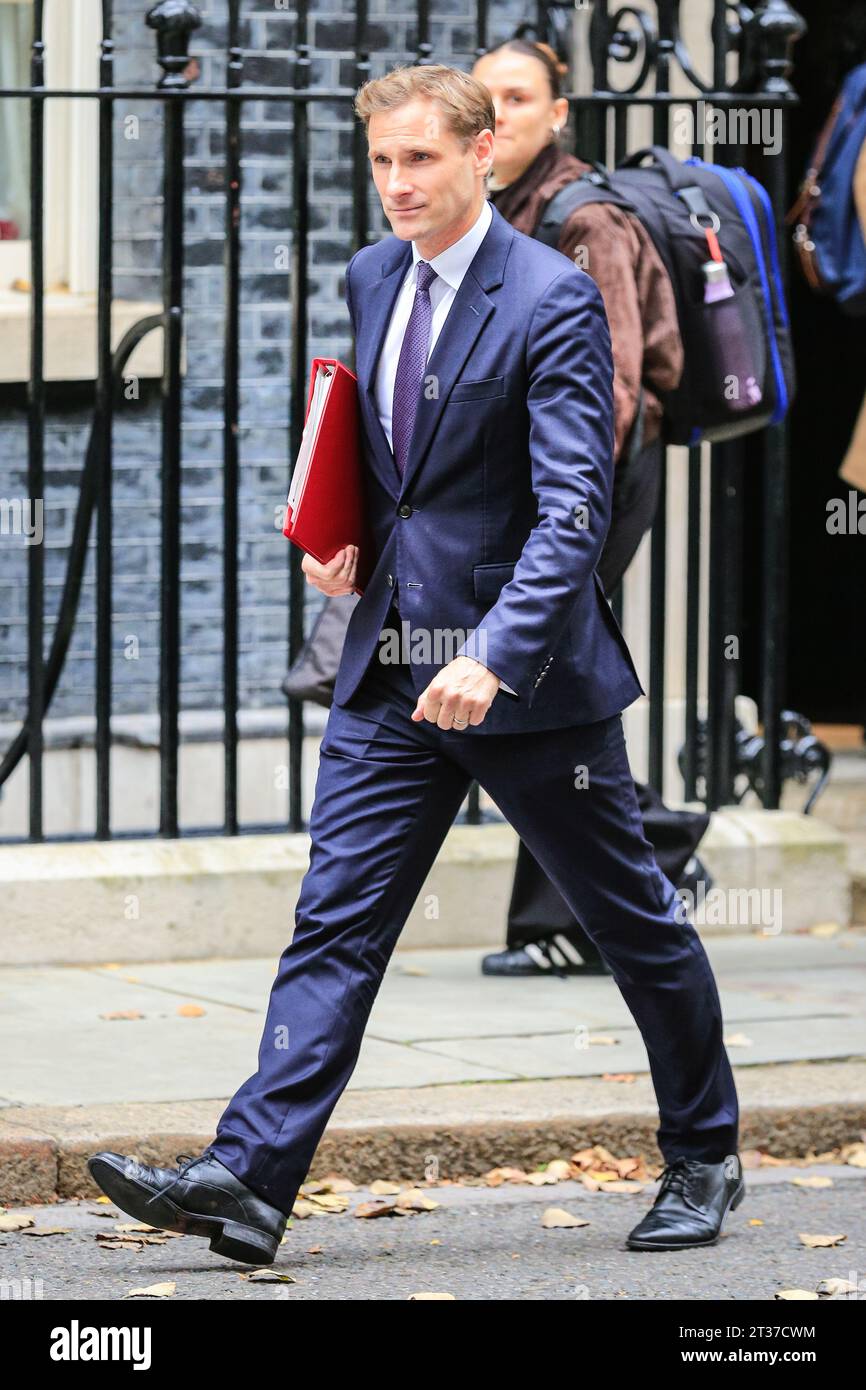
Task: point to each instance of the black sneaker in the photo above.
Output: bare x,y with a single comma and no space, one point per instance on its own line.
553,955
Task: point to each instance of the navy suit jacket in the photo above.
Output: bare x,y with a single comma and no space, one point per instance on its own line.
495,529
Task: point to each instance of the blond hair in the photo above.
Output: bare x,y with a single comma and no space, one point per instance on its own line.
465,103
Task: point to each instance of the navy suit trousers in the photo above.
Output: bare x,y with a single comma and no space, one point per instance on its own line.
386,795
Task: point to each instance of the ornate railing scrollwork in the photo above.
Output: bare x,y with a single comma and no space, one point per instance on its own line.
761,36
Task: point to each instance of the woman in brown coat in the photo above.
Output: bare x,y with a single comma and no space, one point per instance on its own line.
611,245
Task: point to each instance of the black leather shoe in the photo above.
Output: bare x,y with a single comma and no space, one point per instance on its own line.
543,957
201,1198
691,1205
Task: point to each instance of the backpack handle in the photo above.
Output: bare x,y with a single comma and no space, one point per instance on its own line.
678,177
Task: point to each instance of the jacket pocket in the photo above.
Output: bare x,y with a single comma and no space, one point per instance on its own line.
487,580
477,390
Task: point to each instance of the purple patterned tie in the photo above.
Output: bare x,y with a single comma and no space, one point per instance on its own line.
410,367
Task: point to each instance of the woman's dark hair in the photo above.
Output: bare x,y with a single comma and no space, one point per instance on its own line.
555,69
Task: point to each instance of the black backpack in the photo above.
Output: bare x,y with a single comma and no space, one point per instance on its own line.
676,202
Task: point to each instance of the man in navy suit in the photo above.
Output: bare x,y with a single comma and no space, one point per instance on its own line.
485,385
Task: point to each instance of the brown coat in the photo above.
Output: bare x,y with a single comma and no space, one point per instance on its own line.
616,250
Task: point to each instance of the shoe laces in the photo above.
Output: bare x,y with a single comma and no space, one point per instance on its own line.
186,1161
674,1177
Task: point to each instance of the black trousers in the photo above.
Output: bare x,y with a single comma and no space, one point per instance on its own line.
537,910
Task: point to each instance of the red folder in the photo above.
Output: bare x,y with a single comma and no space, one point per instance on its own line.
325,509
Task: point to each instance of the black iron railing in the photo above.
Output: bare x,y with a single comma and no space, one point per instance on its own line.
761,37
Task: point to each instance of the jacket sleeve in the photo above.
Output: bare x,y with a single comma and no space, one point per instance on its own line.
570,403
348,295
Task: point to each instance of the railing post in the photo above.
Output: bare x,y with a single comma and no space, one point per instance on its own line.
36,693
769,38
231,421
174,21
299,368
103,427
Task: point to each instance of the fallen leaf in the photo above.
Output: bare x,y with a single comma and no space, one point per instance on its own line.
624,1076
792,1295
449,1296
15,1223
738,1040
602,1040
622,1185
835,1287
627,1166
754,1221
154,1291
554,1217
48,1231
560,1168
416,1200
328,1201
825,929
497,1176
820,1242
382,1188
190,1010
333,1183
269,1276
123,1013
368,1209
604,1155
812,1182
314,1250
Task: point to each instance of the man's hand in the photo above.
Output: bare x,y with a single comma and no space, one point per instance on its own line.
337,576
460,694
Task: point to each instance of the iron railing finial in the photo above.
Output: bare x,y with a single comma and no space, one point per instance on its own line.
174,21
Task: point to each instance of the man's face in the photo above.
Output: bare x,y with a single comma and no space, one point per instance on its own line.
431,188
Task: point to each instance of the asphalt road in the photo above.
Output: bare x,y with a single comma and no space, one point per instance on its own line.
479,1244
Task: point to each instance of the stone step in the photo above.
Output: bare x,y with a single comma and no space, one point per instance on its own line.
200,897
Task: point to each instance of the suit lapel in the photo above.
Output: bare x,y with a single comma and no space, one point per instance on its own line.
380,298
469,311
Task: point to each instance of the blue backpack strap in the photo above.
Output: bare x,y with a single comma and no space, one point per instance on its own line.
744,207
764,197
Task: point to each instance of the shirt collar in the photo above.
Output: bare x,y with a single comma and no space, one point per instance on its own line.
452,263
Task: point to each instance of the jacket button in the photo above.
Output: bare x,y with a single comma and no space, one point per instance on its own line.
404,510
389,580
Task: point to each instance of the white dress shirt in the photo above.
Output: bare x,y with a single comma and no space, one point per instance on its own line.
450,267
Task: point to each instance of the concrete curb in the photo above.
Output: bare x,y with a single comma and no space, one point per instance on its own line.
452,1130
